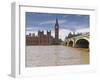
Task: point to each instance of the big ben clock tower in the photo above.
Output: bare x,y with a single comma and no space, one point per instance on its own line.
56,32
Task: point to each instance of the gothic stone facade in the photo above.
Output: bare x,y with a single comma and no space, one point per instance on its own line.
44,39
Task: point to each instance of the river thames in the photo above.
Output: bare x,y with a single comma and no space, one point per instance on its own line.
56,55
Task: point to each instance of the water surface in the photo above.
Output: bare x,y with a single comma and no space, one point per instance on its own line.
55,56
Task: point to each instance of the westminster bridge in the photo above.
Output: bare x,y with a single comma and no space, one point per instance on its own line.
79,41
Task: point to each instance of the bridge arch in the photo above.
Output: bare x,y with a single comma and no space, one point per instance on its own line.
82,43
71,43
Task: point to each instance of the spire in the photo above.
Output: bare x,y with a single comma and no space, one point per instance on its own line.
56,22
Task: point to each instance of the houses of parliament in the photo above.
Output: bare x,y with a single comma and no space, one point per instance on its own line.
44,39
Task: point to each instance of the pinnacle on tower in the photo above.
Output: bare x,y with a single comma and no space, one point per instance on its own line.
57,22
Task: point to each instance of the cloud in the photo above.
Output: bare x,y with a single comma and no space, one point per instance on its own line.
29,28
53,22
44,21
62,33
73,26
36,28
83,30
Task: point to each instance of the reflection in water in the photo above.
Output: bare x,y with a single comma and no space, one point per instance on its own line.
55,56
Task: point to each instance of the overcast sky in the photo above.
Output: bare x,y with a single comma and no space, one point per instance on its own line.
46,21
